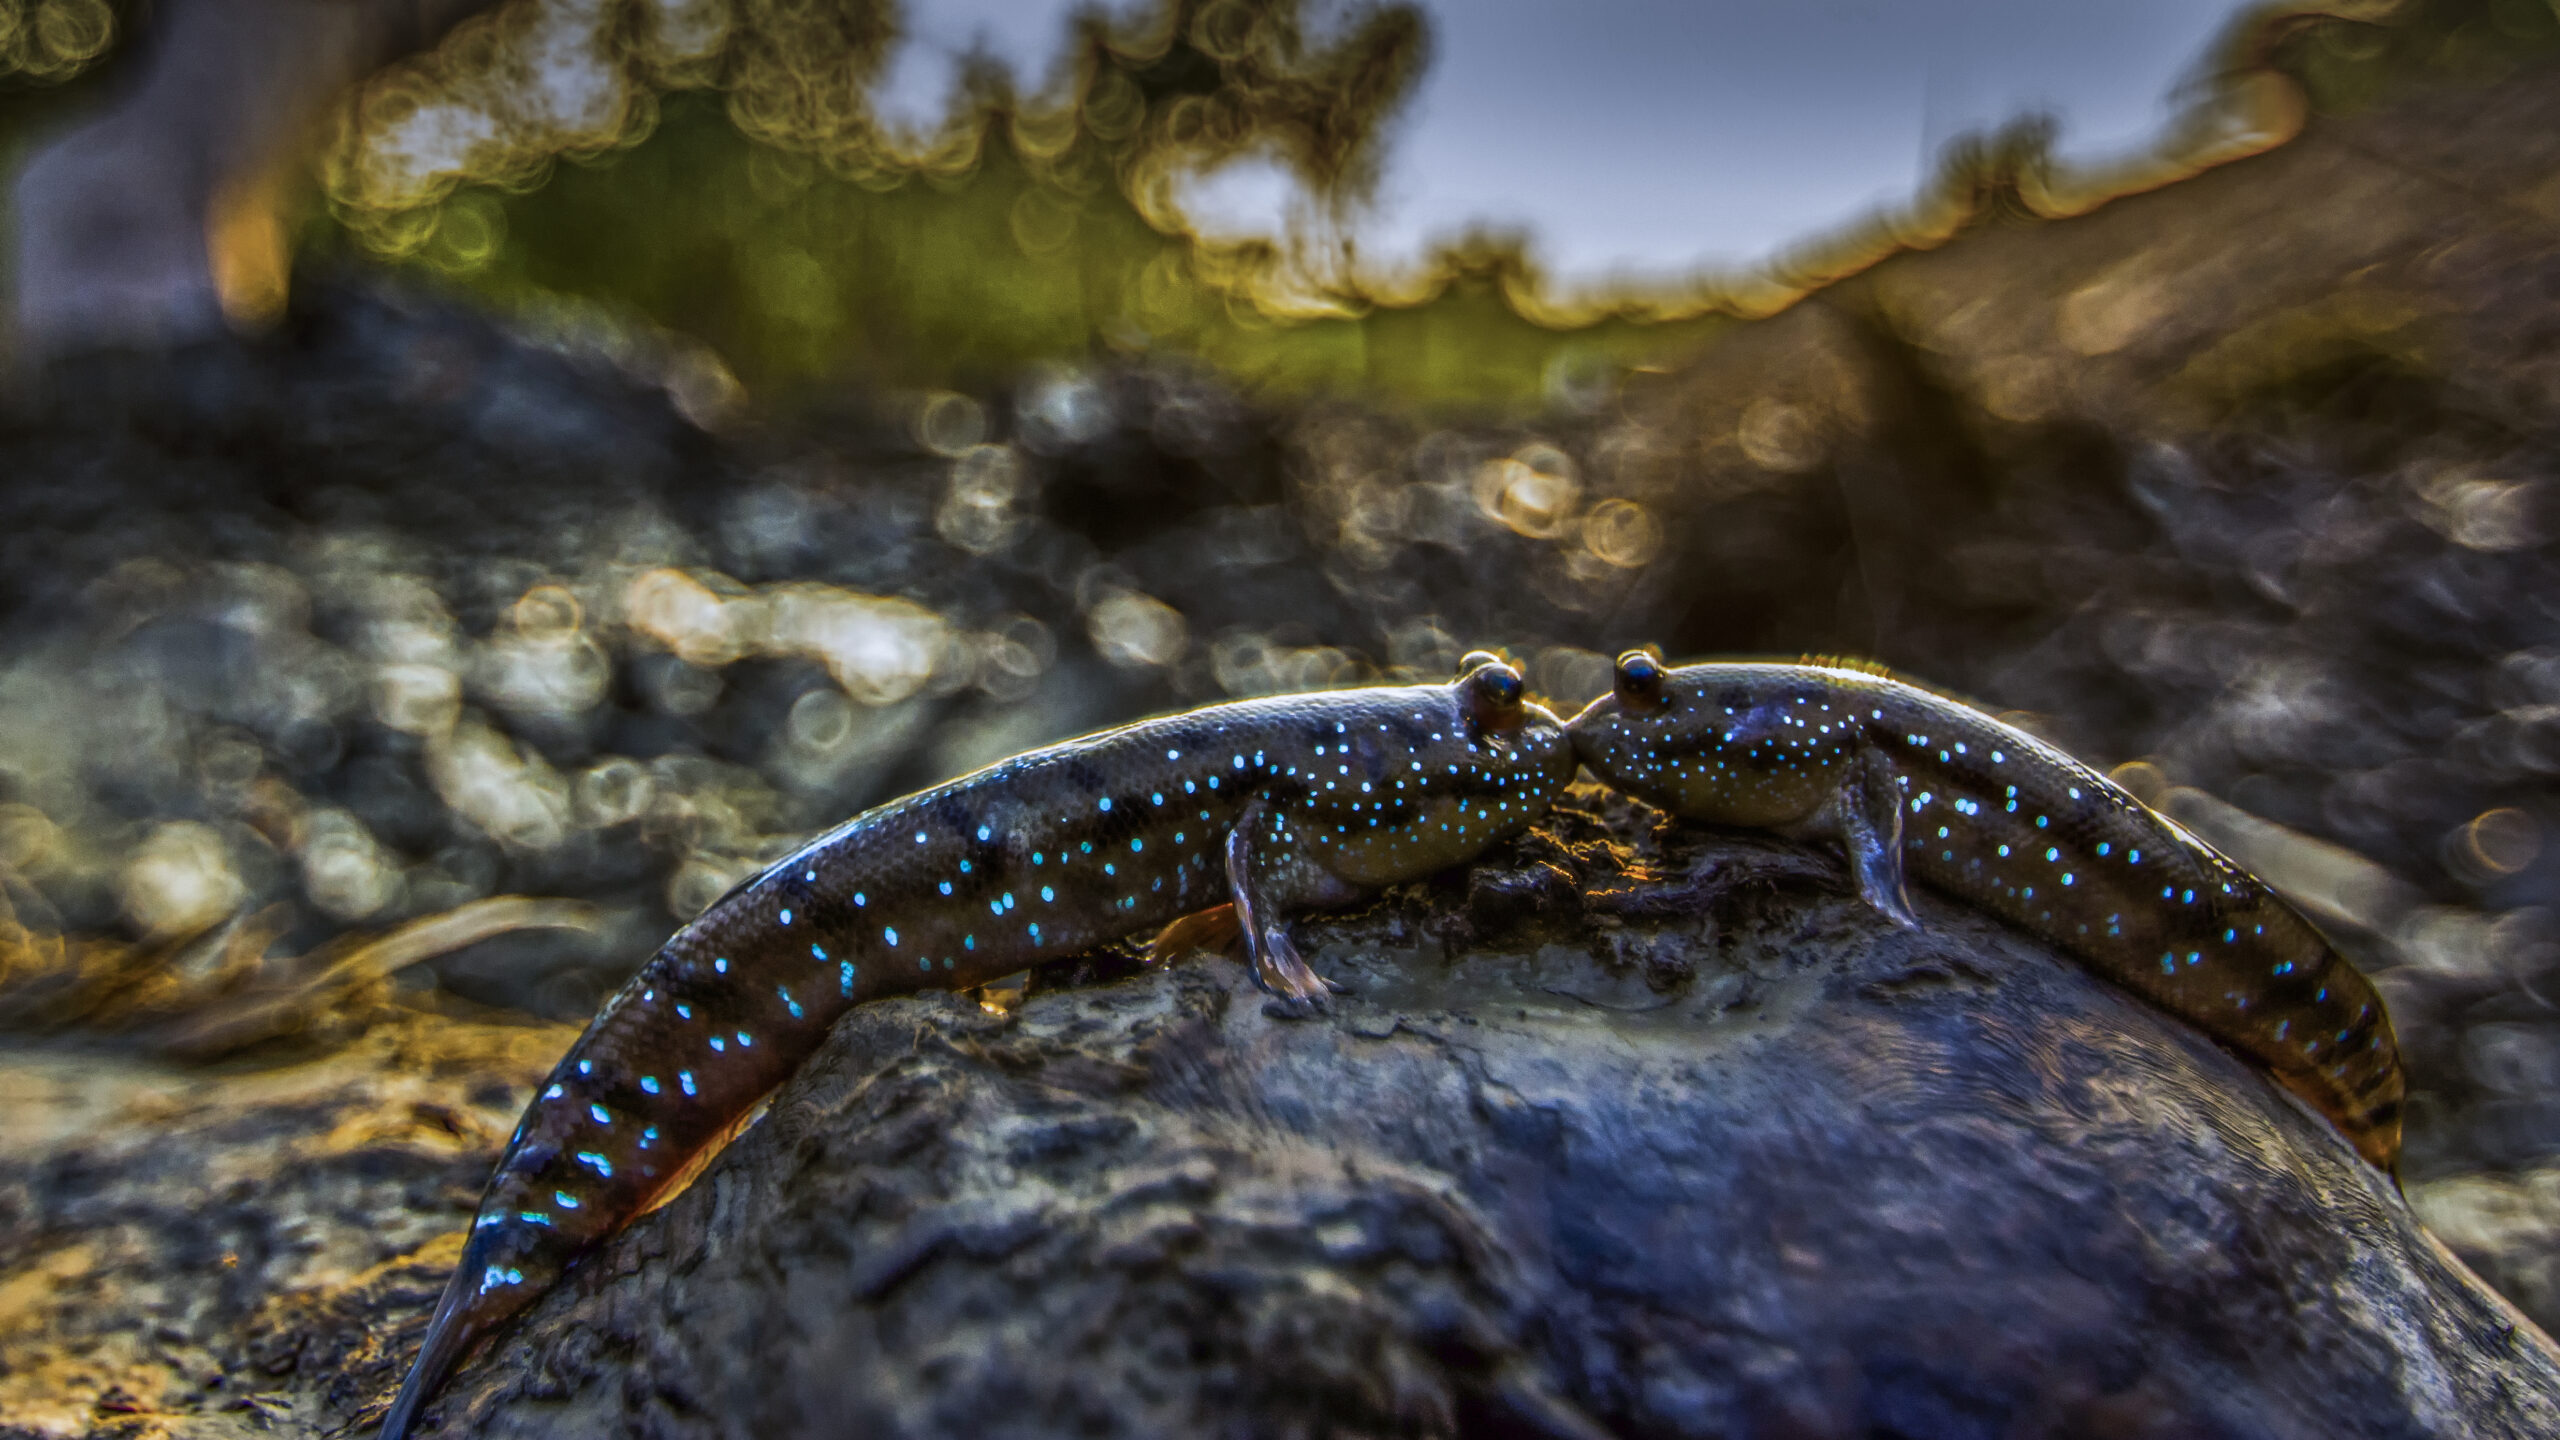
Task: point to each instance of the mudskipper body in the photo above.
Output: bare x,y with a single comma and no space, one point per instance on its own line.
1909,782
1273,806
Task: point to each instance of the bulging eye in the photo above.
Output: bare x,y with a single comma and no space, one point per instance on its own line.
1493,694
1639,680
1475,660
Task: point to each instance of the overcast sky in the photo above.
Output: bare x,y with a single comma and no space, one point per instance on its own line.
1636,138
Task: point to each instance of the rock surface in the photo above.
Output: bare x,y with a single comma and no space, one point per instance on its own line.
1691,1158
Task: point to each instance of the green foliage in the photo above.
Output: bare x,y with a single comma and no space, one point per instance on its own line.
2347,59
46,42
799,278
757,206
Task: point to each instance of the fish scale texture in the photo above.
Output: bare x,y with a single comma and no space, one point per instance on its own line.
1560,1166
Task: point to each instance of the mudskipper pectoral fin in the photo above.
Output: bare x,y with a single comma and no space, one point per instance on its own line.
1213,929
1870,813
1274,959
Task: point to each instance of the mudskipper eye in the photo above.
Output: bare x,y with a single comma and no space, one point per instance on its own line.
1493,694
1475,660
1639,681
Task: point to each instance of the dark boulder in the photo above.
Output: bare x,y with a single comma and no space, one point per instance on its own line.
1666,1137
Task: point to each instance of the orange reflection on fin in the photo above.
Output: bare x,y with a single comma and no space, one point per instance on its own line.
1213,929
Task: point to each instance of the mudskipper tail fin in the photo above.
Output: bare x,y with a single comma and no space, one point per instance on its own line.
504,1268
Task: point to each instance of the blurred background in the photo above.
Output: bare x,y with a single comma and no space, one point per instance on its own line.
456,523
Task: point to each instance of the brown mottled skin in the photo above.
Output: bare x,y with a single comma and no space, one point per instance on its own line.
1910,781
1273,805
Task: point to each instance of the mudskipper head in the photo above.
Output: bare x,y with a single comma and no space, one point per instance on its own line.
1434,775
1498,718
1739,744
1516,750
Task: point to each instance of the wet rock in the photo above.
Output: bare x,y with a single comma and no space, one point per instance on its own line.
1831,1179
213,1253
